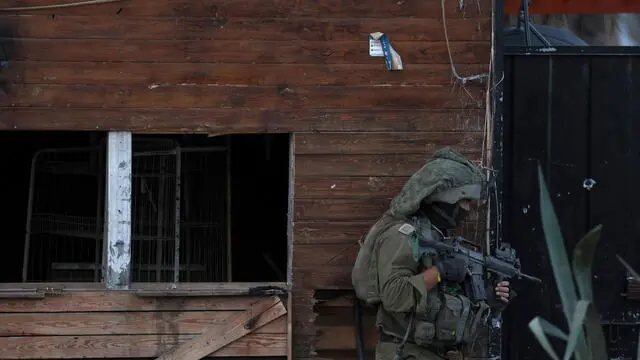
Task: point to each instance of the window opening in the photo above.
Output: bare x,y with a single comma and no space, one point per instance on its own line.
204,209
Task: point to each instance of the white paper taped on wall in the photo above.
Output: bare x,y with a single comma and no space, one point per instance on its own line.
379,46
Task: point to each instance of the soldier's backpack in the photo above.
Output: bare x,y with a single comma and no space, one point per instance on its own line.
364,275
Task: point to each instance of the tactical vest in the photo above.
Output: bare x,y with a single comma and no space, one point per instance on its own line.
451,320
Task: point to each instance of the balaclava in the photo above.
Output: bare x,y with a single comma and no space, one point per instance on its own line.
443,215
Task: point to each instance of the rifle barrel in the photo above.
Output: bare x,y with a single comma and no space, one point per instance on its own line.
532,278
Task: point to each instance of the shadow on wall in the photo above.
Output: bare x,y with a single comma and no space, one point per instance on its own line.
595,30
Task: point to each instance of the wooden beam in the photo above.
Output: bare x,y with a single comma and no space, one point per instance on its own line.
123,301
131,346
242,52
241,120
163,74
342,337
283,97
238,326
123,323
209,289
412,142
118,211
215,288
243,29
228,10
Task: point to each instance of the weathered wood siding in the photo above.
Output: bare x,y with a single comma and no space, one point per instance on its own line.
222,66
124,325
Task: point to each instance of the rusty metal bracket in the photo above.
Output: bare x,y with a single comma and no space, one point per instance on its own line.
267,290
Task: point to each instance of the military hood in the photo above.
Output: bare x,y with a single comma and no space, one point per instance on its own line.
448,177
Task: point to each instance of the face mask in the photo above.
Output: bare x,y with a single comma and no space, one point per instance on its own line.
444,215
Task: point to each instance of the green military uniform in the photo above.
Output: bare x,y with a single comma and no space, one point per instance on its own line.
432,324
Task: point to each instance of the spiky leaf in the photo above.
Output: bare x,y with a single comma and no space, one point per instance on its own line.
540,328
575,329
595,335
637,278
559,260
583,255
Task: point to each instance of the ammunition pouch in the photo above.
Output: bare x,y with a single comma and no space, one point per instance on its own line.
424,333
454,321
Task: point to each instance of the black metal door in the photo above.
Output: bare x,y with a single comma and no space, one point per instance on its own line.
579,116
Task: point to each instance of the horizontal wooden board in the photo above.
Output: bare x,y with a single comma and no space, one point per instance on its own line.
336,277
153,74
326,254
228,289
362,165
226,121
245,52
347,187
338,302
340,209
241,29
259,97
123,323
343,337
379,143
131,346
329,232
261,8
341,316
110,301
359,165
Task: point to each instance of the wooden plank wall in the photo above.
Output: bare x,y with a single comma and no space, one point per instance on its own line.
223,66
123,325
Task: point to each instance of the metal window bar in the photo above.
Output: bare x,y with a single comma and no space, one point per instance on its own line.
54,224
161,171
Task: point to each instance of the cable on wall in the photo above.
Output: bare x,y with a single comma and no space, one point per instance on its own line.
463,79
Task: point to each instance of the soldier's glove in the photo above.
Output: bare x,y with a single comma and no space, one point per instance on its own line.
453,269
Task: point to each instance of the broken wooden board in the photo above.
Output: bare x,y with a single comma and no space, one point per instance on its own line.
258,315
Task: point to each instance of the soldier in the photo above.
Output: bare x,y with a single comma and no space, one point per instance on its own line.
423,313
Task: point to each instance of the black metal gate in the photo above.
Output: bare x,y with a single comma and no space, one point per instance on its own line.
577,112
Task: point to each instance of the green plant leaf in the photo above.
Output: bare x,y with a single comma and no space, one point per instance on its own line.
556,250
576,327
559,260
637,278
583,255
595,335
540,327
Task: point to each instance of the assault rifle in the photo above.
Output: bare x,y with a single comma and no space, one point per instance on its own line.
504,264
